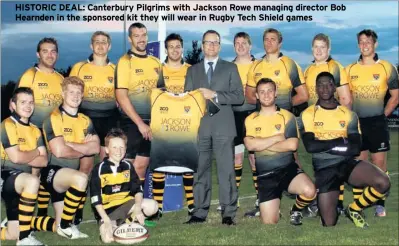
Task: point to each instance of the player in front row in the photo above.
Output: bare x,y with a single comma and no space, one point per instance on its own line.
273,134
22,148
115,188
331,133
69,136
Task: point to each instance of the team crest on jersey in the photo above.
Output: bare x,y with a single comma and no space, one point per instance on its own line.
277,72
110,79
342,123
156,70
126,174
187,109
376,76
278,127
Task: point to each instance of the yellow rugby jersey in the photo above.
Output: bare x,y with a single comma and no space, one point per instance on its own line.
328,124
112,186
46,90
139,75
73,128
261,126
369,84
15,132
175,122
243,70
286,73
174,78
331,66
99,95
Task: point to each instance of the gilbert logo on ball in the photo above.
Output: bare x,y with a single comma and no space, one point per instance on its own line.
130,233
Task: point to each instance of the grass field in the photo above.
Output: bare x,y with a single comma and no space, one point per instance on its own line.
171,231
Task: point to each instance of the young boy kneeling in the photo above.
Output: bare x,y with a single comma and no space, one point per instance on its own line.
115,188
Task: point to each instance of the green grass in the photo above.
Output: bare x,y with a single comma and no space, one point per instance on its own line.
171,231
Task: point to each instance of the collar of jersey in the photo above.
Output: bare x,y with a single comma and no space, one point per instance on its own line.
36,66
375,58
252,58
278,109
16,117
166,60
107,161
318,104
64,111
279,56
90,59
328,59
131,53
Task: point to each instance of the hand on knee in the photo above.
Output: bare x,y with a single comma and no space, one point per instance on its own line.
150,207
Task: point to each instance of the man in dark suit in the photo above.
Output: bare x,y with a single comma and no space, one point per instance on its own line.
219,83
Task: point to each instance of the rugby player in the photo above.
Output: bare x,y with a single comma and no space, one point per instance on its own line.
69,136
330,132
370,78
323,62
273,134
136,74
115,188
22,148
173,76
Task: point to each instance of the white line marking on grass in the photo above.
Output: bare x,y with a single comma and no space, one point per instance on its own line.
393,174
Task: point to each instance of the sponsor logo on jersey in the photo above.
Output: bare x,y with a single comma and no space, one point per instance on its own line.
354,77
258,74
165,77
318,123
163,110
42,85
87,77
67,131
139,70
21,140
116,188
258,129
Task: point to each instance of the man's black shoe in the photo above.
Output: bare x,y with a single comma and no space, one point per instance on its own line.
194,220
228,221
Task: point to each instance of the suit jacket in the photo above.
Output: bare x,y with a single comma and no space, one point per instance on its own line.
226,82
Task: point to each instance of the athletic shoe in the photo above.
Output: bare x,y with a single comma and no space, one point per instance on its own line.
81,234
68,232
341,209
190,212
311,211
356,218
257,203
4,222
219,208
253,213
295,218
380,211
29,240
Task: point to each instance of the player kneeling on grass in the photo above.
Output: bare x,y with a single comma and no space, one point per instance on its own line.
22,148
331,133
115,188
273,134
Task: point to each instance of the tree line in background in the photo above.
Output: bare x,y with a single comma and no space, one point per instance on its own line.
192,57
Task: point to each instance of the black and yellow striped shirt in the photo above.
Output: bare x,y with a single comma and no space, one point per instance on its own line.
112,186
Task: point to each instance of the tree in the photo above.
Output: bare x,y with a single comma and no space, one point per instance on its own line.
6,94
64,72
194,56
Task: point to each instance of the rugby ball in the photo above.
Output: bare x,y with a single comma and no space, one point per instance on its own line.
130,233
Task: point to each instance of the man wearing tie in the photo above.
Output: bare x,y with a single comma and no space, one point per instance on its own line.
219,83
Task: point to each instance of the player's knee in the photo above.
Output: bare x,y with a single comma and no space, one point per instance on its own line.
269,221
150,207
328,222
382,184
80,180
309,192
31,183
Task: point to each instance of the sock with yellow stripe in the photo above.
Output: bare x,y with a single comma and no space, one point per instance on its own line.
238,170
42,201
79,213
301,202
357,192
26,208
341,196
3,233
368,197
381,202
188,182
43,223
72,199
158,188
255,179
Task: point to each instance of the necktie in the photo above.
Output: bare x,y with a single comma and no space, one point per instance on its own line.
209,73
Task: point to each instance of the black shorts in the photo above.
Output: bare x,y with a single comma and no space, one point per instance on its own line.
330,178
47,175
239,118
273,183
120,212
375,134
102,125
9,194
136,144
